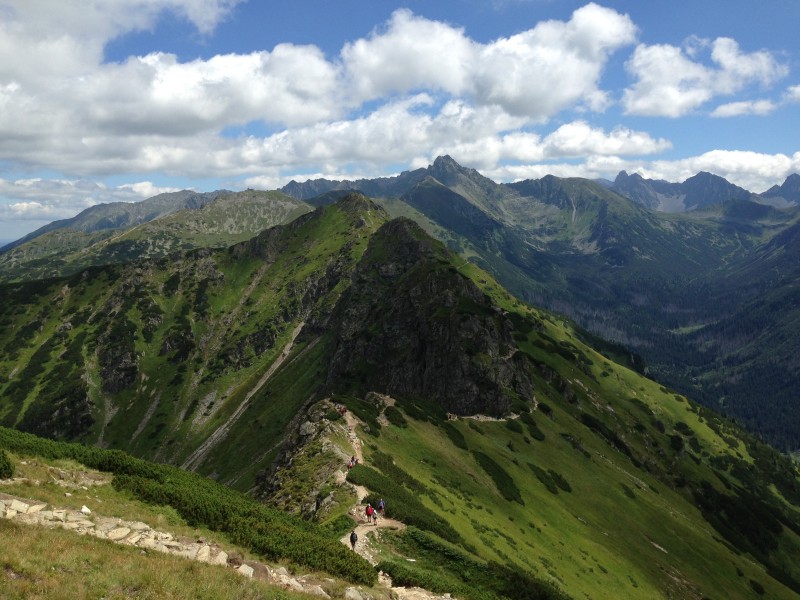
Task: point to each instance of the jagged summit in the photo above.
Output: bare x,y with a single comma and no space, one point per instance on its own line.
789,190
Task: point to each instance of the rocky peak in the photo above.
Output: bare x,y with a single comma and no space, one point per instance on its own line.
412,326
707,189
789,190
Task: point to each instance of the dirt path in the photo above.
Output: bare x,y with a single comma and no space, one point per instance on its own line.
351,421
367,532
364,544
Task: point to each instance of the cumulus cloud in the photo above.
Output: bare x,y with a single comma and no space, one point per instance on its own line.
65,109
554,65
410,53
670,83
792,94
581,139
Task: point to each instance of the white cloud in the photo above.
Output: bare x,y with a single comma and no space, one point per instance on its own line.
792,94
554,65
410,54
581,139
63,108
671,84
736,109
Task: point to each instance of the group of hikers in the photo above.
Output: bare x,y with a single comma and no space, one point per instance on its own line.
371,513
352,462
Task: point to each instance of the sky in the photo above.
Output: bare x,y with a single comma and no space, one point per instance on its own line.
119,100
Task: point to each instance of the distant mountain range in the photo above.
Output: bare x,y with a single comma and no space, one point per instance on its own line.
120,232
703,295
697,192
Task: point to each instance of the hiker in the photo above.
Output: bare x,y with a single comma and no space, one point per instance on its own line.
353,539
375,517
382,507
368,511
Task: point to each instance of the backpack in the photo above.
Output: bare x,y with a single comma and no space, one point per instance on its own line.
353,537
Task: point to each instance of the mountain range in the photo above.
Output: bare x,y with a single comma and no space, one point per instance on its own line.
703,296
526,461
686,291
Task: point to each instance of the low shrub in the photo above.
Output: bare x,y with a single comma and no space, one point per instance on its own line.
203,502
545,478
395,417
504,482
6,467
455,435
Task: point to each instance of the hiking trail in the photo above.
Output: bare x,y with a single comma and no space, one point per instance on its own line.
368,533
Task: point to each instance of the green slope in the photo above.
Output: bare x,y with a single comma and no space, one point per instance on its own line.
153,357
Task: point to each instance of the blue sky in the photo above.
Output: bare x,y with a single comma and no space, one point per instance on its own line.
123,99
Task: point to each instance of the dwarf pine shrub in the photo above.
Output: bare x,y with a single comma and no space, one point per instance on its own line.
6,467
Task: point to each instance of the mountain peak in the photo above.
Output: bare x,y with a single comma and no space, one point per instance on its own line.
789,190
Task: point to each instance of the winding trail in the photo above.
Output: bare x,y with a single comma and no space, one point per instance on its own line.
363,547
367,532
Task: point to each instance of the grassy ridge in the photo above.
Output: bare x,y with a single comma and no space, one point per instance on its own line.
52,563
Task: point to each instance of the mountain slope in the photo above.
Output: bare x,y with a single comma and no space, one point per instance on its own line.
697,192
121,232
654,282
155,356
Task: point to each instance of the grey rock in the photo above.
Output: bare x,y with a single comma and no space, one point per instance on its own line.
245,570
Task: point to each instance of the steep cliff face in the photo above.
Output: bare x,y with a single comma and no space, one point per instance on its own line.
412,325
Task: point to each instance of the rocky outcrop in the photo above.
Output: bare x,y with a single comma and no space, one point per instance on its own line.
411,325
310,466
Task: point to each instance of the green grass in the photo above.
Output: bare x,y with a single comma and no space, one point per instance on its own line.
203,503
57,564
590,536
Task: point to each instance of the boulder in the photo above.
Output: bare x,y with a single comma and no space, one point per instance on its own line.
204,554
307,429
118,533
245,570
352,593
